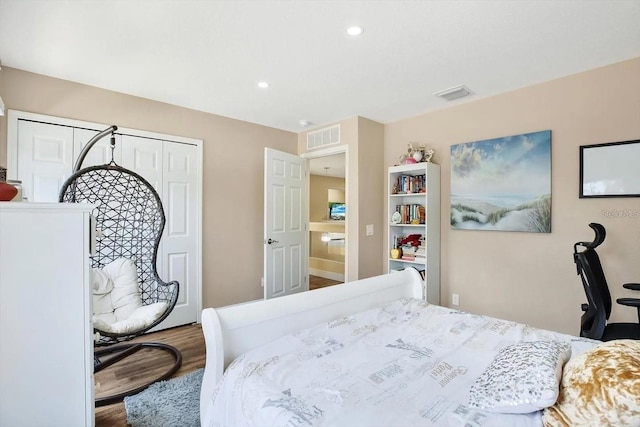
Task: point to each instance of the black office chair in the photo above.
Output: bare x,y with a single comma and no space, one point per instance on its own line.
593,323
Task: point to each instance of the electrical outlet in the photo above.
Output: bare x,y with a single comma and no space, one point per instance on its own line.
455,299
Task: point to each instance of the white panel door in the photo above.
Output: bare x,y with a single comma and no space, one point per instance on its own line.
144,157
175,182
285,219
178,257
45,159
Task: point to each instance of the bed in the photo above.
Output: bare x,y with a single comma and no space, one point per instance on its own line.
373,353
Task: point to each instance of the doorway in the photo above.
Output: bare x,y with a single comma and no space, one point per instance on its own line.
328,216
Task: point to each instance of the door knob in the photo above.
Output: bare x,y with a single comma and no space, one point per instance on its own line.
270,241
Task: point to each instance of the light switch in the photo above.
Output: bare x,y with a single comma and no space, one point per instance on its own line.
369,229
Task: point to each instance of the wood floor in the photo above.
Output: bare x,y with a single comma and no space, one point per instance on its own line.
316,282
136,369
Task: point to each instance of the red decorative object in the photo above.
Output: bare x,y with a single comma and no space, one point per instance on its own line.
409,161
7,192
411,239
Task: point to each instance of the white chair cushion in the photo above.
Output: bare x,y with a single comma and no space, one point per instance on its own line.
125,296
141,318
102,286
117,306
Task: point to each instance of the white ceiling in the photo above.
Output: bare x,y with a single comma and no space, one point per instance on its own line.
333,165
209,55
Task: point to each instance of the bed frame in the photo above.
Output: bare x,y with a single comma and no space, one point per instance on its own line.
233,330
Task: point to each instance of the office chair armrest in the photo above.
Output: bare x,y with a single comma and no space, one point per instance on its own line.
631,302
632,286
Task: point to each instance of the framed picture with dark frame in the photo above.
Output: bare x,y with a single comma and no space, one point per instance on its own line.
610,170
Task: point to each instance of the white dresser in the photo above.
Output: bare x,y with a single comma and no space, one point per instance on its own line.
46,346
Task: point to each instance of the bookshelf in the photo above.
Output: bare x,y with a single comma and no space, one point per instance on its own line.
414,222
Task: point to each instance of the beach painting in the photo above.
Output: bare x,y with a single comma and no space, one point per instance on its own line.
502,184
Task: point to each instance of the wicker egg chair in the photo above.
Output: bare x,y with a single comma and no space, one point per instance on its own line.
129,220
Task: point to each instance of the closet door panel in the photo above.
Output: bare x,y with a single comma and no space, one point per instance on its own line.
179,248
45,159
144,156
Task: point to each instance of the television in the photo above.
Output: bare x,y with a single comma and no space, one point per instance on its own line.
337,211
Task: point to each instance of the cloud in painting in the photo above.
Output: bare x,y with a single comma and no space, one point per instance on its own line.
465,158
502,166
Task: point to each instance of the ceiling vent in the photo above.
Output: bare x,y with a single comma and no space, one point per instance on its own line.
454,93
323,137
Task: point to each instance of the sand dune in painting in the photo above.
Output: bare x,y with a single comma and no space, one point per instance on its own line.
533,216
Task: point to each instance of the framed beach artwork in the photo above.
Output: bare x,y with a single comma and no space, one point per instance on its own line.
502,184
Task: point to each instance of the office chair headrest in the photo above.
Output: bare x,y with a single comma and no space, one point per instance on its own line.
601,233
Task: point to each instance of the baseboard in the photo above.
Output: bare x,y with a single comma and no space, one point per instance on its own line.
327,274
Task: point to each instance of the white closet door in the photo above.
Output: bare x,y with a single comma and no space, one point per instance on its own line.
45,155
144,157
100,153
171,168
179,242
45,159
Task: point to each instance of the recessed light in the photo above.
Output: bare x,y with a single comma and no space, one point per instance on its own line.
354,31
263,85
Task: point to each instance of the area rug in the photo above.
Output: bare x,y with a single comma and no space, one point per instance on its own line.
170,403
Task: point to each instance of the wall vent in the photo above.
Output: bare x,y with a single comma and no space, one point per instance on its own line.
454,93
323,137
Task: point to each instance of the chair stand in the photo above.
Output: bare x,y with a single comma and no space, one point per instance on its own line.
122,351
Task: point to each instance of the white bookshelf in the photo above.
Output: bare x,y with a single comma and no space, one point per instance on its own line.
414,192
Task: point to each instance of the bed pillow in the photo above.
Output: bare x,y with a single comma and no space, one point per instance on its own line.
599,387
523,378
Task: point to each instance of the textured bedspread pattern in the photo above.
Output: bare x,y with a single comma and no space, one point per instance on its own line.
408,363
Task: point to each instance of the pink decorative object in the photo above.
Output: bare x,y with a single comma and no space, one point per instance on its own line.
7,192
409,160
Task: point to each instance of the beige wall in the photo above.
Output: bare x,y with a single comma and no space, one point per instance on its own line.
372,176
319,195
233,168
530,277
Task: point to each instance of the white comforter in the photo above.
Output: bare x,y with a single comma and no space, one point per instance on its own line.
407,364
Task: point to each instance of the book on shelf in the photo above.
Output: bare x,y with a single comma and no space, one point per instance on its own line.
410,184
411,213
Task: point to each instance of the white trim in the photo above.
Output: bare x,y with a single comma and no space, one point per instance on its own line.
343,148
326,274
12,164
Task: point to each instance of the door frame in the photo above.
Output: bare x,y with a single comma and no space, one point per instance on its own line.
14,116
330,151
